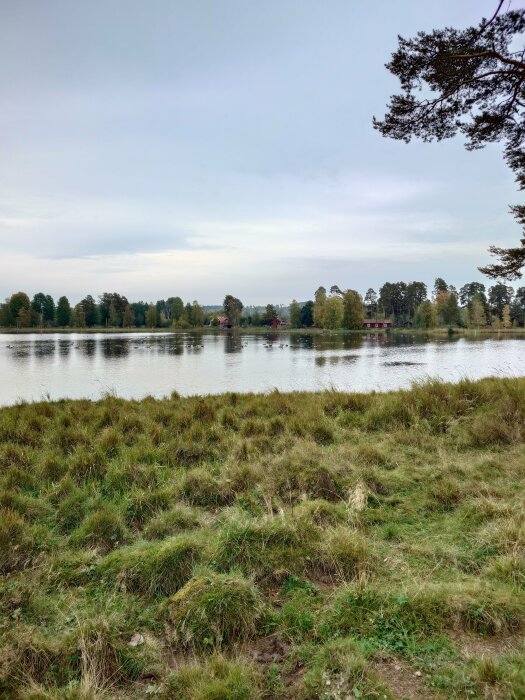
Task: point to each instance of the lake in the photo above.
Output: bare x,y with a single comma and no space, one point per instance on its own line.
80,365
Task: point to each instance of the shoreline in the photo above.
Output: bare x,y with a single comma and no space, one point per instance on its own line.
209,330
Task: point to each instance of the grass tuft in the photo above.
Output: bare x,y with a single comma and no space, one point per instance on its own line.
213,610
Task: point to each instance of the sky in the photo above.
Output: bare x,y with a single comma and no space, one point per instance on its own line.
209,147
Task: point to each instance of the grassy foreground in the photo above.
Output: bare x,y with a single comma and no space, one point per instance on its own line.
283,546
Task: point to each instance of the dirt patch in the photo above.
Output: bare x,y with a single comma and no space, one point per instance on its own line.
476,645
405,682
269,650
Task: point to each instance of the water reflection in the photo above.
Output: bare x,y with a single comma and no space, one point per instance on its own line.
115,347
133,365
64,347
43,349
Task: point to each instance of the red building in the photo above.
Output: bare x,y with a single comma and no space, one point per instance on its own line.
377,323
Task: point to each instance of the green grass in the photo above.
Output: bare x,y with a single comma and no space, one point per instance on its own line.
292,546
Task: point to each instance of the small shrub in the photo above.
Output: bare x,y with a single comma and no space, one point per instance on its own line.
214,610
154,569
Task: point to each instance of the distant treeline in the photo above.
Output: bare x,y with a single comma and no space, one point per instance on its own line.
405,303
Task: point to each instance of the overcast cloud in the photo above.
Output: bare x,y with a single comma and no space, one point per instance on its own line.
226,146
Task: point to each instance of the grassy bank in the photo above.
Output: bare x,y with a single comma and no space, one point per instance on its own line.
244,547
469,332
211,330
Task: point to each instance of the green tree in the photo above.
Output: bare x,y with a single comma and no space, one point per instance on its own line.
295,314
500,295
440,287
232,309
450,310
16,303
469,291
177,309
79,316
371,303
113,316
353,316
139,313
270,315
416,293
119,304
90,311
477,316
319,307
426,315
505,317
188,314
197,314
151,316
470,81
393,300
333,312
127,317
63,312
44,307
307,314
517,307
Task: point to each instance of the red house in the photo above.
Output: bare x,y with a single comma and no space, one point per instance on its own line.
377,323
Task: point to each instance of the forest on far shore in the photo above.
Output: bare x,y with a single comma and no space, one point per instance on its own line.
405,304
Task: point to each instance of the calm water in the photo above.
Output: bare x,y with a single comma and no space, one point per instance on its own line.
33,367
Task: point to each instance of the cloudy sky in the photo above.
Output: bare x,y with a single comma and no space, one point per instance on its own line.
207,147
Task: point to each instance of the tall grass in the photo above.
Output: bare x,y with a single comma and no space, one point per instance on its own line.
264,546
